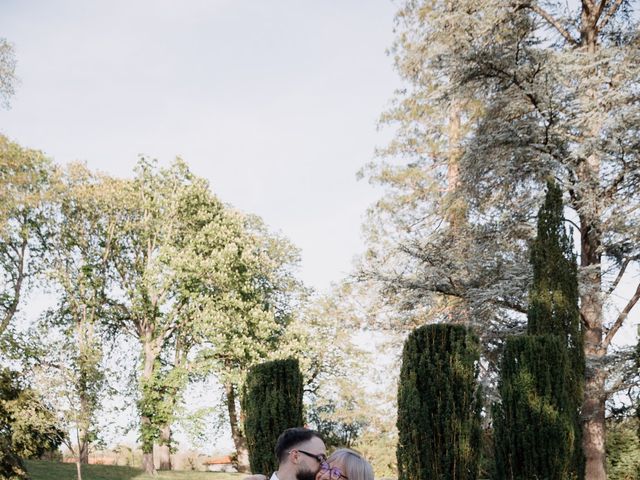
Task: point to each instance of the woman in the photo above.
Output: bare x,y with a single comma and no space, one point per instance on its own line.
345,464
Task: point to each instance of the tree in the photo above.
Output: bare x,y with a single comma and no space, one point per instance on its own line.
272,402
7,72
25,213
439,404
584,133
553,304
558,100
28,428
430,256
245,315
68,356
159,212
339,413
321,337
542,373
25,179
553,296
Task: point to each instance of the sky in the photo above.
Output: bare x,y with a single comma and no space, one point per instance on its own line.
275,103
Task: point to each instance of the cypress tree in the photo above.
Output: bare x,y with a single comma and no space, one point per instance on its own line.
553,297
537,423
272,402
439,405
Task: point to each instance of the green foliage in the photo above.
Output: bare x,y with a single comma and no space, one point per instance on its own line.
553,296
272,402
439,405
535,430
321,338
340,422
27,427
623,450
540,90
25,220
171,235
158,401
11,465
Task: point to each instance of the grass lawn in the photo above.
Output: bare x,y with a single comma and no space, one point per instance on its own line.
41,470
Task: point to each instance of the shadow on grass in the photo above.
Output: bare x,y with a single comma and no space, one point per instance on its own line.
41,470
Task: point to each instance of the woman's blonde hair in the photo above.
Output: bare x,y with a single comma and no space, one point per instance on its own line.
355,465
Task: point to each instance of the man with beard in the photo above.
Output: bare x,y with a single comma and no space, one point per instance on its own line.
300,453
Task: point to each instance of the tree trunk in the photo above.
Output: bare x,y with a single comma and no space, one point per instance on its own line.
456,211
593,409
83,448
591,299
164,448
239,439
147,463
85,339
79,469
145,420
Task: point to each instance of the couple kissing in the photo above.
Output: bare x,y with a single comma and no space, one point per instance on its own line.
302,455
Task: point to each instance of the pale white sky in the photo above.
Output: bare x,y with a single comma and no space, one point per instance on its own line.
275,102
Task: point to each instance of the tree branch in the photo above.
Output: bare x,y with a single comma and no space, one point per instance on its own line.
621,318
612,11
615,283
17,290
600,10
611,190
552,21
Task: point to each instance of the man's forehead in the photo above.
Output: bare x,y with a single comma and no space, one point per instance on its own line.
315,445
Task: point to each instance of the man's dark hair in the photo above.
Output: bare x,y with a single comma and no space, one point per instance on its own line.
292,437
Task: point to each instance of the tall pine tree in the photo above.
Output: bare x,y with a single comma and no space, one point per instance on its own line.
537,423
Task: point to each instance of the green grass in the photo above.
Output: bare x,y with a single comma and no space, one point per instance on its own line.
41,470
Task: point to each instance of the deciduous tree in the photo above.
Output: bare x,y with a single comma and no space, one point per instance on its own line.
78,267
25,216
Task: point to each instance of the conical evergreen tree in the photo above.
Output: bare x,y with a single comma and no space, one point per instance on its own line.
553,297
537,423
272,402
439,405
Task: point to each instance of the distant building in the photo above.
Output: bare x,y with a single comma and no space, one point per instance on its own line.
219,464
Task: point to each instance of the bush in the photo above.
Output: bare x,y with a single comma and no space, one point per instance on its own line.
623,450
535,428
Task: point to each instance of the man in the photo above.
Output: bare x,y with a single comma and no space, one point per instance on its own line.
300,453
